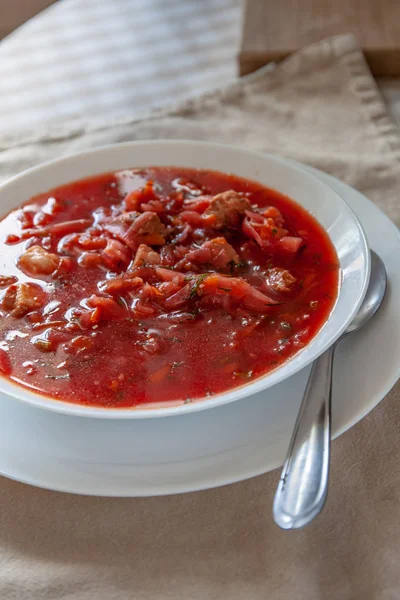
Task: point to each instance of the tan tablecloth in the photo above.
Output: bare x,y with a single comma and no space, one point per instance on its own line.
320,106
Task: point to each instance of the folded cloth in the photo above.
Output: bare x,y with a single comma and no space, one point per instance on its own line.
320,106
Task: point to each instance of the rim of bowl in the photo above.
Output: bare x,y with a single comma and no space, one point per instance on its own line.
179,407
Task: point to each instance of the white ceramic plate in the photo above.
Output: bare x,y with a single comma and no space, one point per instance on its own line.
213,447
278,173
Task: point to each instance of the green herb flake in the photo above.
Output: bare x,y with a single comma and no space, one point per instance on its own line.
224,289
195,288
274,231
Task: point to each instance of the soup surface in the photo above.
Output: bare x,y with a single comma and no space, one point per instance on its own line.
158,284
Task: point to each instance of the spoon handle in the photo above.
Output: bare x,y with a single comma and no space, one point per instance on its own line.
303,486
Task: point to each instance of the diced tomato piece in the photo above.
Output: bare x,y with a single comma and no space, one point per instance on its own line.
290,243
6,280
25,217
11,238
5,363
273,213
41,218
135,198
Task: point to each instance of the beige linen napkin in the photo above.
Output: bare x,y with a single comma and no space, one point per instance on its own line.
320,106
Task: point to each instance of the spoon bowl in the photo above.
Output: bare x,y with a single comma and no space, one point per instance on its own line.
373,298
303,486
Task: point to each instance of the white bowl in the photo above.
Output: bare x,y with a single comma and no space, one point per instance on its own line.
319,199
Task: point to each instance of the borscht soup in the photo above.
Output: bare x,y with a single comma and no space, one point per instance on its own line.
158,284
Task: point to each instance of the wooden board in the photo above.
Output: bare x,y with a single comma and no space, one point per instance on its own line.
273,29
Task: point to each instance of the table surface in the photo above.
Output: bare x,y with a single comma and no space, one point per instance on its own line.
101,59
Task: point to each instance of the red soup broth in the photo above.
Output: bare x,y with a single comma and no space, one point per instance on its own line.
158,285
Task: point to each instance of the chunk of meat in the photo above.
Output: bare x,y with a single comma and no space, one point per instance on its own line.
37,261
106,309
21,298
145,229
280,280
228,208
236,289
146,256
217,253
116,255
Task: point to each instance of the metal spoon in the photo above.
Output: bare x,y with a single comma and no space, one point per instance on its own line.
303,486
